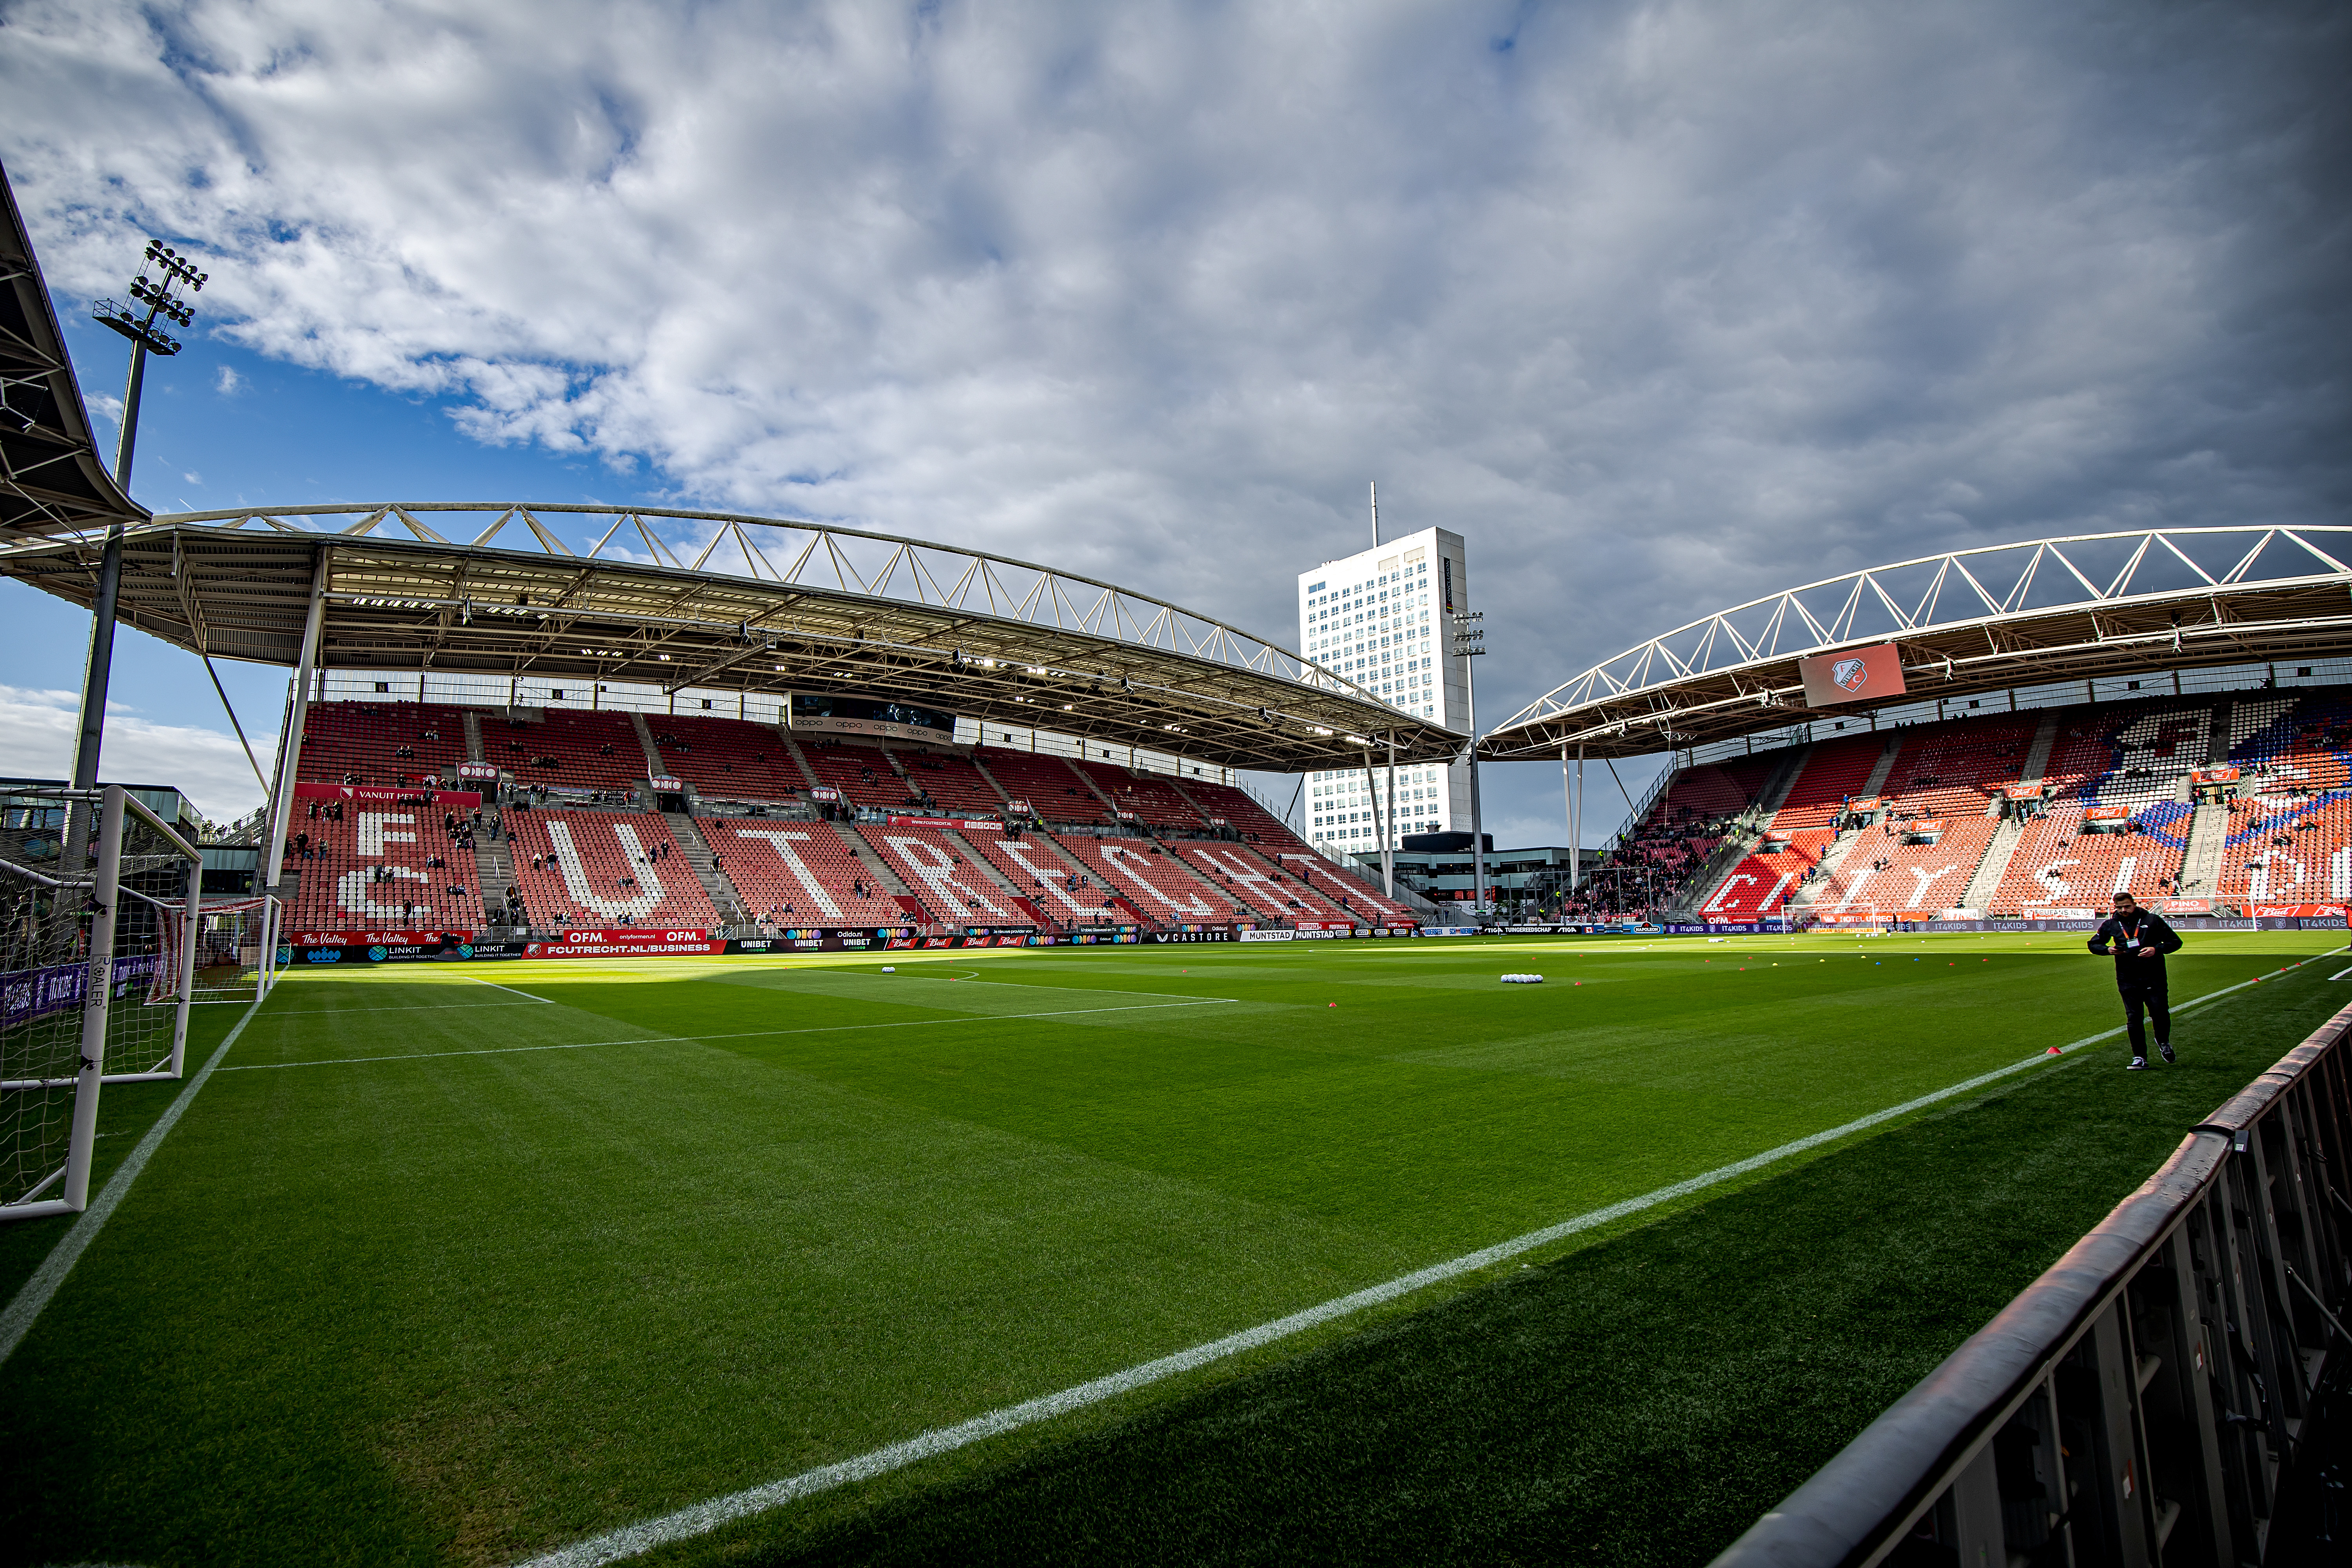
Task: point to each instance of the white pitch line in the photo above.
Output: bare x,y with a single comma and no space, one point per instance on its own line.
700,1519
508,989
742,1034
16,1319
2340,973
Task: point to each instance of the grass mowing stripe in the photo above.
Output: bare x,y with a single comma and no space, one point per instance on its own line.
700,1519
16,1319
413,1007
741,1035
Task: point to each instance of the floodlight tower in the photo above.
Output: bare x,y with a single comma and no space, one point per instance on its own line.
1467,637
159,296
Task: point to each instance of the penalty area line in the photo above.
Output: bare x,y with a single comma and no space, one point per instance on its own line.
509,990
702,1518
742,1035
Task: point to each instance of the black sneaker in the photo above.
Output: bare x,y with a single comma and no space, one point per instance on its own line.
2139,1064
2164,1050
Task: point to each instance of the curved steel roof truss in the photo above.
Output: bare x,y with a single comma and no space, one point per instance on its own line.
1965,621
686,598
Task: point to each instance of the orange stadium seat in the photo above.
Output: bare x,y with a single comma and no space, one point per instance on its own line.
604,867
798,873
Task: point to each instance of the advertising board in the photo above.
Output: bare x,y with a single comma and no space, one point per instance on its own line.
1449,930
568,948
363,795
1858,675
828,714
1268,935
483,772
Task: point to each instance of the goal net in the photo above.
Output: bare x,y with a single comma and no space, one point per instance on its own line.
231,940
93,982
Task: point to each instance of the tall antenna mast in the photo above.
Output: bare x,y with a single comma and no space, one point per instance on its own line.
1376,514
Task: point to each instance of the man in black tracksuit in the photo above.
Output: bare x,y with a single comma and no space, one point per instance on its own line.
2139,939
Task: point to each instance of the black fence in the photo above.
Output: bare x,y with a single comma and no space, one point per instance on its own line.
2150,1398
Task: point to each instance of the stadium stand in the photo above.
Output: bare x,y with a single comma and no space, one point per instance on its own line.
2290,836
797,873
1150,799
1800,833
406,866
948,782
1153,882
2134,759
862,773
729,758
1243,813
604,867
1059,895
595,751
937,868
1935,829
1053,791
1763,881
387,745
1886,872
1276,894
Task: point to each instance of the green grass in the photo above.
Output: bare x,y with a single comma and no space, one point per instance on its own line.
447,1307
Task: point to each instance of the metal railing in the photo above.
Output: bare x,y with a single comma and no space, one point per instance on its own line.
2144,1401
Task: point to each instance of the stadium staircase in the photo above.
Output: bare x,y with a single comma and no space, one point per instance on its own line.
494,867
994,782
793,750
654,764
875,870
473,721
1737,845
1994,868
724,895
2208,839
1995,865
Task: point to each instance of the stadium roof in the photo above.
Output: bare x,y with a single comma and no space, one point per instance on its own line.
51,473
718,600
1964,623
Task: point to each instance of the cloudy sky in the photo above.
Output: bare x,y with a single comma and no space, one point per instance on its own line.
1660,305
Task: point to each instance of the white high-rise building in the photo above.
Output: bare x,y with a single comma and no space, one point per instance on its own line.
1379,619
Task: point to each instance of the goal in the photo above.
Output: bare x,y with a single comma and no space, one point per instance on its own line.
96,975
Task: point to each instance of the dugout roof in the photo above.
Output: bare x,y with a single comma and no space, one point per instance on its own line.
720,600
1964,623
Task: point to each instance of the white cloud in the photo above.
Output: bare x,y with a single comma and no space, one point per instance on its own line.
229,383
37,730
1660,304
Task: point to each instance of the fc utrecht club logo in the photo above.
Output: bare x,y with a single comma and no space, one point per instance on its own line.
1849,673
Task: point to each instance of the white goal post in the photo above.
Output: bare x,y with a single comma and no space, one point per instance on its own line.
97,970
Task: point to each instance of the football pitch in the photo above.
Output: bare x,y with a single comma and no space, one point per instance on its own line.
1337,1251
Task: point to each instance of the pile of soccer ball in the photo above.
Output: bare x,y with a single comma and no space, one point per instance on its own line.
1522,979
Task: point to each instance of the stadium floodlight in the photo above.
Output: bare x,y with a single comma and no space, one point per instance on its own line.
161,298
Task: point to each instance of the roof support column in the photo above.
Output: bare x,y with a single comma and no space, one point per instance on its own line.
1389,838
297,709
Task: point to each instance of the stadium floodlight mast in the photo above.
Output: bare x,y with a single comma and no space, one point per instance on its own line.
157,291
1469,638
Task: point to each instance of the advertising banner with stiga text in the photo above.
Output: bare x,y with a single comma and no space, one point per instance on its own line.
828,714
1857,675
